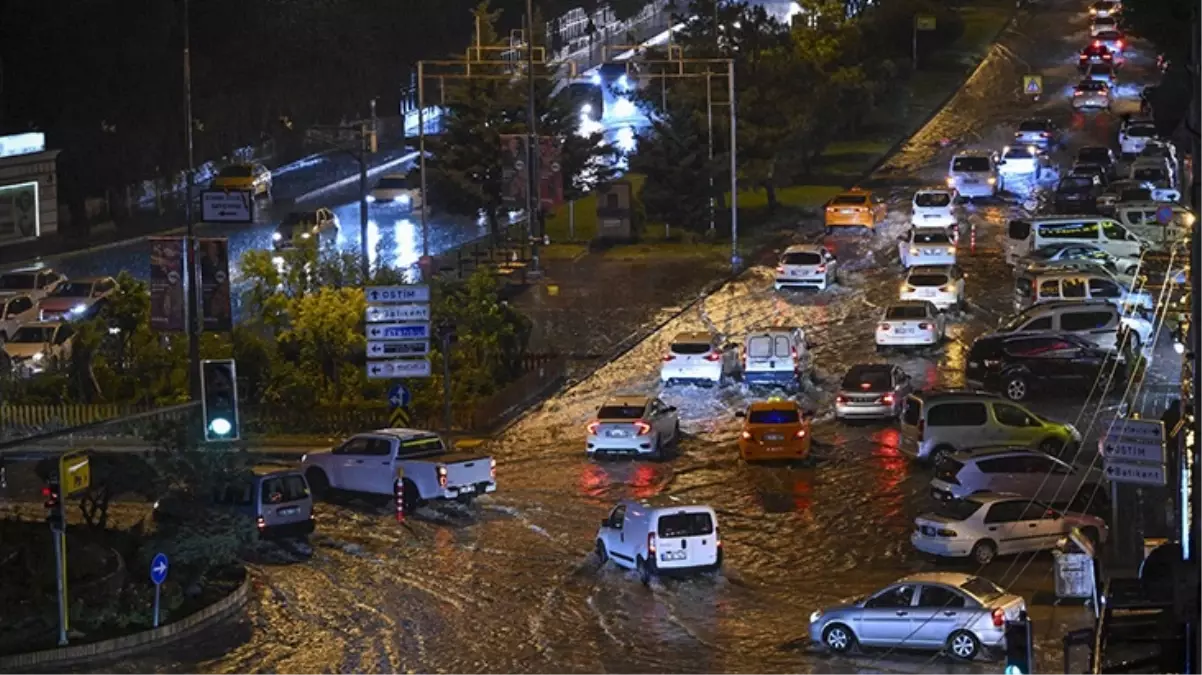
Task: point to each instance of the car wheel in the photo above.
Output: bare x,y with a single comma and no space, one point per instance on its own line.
410,497
940,453
644,570
1016,388
984,551
657,451
676,435
1132,341
1052,447
319,484
838,638
602,554
963,645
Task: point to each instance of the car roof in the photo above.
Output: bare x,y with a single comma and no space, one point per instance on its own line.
404,434
973,153
858,191
805,248
948,578
939,395
627,400
663,501
693,336
930,269
777,404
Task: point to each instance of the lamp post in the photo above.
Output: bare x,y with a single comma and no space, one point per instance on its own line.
192,287
534,202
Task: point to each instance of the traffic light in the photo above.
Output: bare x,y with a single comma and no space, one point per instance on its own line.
219,400
53,504
1020,652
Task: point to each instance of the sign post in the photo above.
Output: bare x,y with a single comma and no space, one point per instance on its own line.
158,574
398,332
1133,453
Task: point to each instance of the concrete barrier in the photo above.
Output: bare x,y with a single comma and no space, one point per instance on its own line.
131,644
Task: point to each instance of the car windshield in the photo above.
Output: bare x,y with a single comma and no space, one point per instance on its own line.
868,379
849,200
927,279
297,218
802,258
236,171
1033,125
982,589
1151,174
905,312
958,509
690,348
685,524
33,334
1075,183
773,417
1019,153
74,289
971,164
620,412
18,281
1090,85
931,238
928,200
1094,155
1141,131
395,183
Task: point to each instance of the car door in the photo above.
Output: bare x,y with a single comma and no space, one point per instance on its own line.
64,338
376,469
614,538
885,618
1004,525
1017,426
1044,527
1001,474
939,611
351,455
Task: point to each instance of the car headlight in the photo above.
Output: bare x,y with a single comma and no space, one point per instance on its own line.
276,236
156,505
815,615
951,181
38,356
1072,430
404,199
992,180
305,235
79,309
304,458
371,198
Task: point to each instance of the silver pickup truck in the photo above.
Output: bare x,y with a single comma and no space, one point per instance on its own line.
369,463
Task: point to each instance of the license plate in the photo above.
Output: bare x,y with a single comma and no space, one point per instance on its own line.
773,437
847,211
616,433
902,331
973,181
673,555
926,293
930,216
289,511
463,489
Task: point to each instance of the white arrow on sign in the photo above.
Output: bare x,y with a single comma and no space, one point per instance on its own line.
414,348
409,293
1139,474
161,568
398,368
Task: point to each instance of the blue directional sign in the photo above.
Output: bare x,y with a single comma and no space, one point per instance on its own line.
398,396
411,293
158,568
398,331
1164,214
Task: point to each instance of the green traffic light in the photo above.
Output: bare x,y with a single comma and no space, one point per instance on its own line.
220,427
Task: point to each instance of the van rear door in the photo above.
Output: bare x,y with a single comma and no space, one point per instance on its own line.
770,353
1018,240
284,500
686,538
911,425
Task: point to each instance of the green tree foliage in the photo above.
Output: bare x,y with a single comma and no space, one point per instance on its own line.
1166,23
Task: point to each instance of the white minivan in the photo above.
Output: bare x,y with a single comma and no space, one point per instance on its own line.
1025,235
776,357
934,207
660,537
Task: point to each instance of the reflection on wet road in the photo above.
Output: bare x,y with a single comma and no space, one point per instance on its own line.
512,585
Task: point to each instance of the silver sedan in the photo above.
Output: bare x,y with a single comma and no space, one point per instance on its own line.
961,613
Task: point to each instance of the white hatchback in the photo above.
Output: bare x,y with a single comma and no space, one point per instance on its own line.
926,247
806,265
695,358
934,207
395,189
909,324
632,426
942,285
1022,160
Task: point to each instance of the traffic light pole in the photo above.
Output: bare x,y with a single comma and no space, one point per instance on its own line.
60,573
193,286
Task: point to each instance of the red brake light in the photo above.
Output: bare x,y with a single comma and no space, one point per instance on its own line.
442,476
651,542
1097,43
593,426
780,269
669,357
885,326
822,267
262,523
999,617
1119,44
840,399
887,399
865,385
643,427
801,433
922,429
46,492
713,356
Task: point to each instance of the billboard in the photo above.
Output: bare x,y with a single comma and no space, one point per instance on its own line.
513,169
213,257
167,283
20,218
550,172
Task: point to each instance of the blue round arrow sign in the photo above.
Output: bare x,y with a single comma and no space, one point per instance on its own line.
158,568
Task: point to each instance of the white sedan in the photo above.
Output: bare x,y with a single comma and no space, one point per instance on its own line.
934,207
1022,160
806,265
926,247
395,190
910,324
943,285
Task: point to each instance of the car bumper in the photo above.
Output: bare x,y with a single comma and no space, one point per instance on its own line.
863,411
940,300
1090,102
976,189
800,282
928,220
752,452
931,259
288,530
456,491
944,547
849,220
943,491
781,377
918,339
693,374
631,445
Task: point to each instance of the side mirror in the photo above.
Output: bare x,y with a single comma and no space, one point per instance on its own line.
670,409
740,414
1001,162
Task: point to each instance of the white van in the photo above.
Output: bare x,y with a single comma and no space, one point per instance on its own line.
1033,288
660,538
1028,234
1140,219
775,357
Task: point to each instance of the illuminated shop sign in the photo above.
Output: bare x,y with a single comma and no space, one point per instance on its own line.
20,217
22,144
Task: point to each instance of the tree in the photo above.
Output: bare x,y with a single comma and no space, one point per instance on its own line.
325,335
1164,22
674,158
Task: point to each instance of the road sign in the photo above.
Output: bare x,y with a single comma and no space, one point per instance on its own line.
398,313
398,395
1164,214
74,473
398,418
158,568
398,331
409,293
227,206
924,22
383,370
1033,84
1134,441
377,350
1136,474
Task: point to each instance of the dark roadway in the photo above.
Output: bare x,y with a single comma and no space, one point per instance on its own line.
511,585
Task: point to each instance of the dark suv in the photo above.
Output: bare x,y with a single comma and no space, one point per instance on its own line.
1078,193
1019,364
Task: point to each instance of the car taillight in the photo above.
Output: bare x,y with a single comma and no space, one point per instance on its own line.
1078,93
651,543
780,269
999,617
1043,134
1097,43
885,326
262,523
642,427
592,427
887,399
1119,44
801,433
1083,57
442,476
746,435
717,538
822,267
492,469
669,357
1107,56
713,356
840,399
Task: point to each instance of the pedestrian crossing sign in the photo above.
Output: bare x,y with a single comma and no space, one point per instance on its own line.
399,418
1033,84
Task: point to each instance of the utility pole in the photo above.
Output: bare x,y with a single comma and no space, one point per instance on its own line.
193,286
421,158
364,148
709,130
533,198
735,261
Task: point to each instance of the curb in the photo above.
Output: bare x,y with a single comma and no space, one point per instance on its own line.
718,283
341,183
136,642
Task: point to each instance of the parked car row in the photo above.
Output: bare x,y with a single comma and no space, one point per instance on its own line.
36,308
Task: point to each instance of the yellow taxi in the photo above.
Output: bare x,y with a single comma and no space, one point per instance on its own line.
854,208
774,429
253,177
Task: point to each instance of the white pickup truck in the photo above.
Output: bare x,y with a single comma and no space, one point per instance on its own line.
368,462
